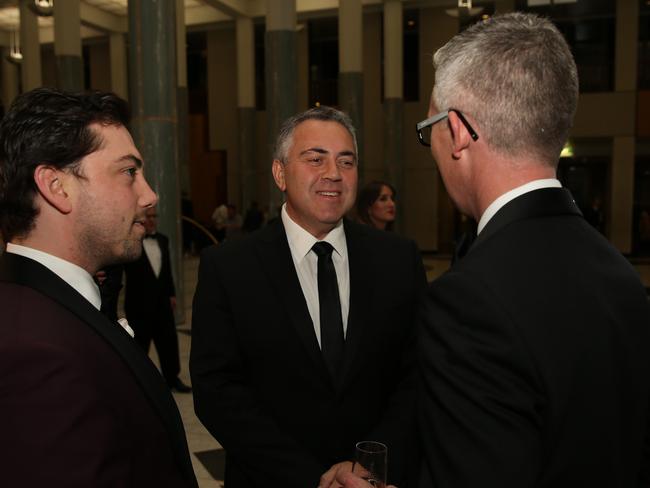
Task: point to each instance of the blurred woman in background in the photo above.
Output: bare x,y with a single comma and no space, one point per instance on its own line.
376,205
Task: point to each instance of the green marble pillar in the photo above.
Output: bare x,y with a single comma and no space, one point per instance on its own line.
153,89
281,77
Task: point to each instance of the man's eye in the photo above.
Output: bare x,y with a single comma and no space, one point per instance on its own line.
345,163
131,172
315,160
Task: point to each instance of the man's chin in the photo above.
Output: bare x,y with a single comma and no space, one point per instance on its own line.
131,251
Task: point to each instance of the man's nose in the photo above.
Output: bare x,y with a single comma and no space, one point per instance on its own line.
331,170
148,197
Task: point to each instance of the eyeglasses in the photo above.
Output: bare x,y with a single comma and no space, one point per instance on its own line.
424,128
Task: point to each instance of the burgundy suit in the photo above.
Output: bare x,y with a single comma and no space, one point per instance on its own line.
81,405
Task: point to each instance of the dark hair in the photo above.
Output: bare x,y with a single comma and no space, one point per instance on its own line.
367,197
47,126
322,113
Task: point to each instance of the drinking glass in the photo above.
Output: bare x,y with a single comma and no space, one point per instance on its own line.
370,461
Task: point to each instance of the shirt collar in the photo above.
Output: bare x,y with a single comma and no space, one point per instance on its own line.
497,204
301,241
77,277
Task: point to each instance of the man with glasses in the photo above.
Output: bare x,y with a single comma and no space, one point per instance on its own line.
302,332
534,346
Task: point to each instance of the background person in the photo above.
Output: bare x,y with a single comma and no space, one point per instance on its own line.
376,205
150,301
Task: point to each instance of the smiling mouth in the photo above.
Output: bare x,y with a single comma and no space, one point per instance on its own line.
329,193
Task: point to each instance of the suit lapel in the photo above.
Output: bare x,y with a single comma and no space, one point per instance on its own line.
26,272
544,202
361,289
277,264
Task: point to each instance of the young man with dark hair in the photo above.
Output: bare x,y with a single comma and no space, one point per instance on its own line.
82,405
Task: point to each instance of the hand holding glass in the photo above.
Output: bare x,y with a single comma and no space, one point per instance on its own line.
370,462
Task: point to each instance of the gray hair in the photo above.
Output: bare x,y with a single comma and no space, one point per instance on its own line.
515,76
322,113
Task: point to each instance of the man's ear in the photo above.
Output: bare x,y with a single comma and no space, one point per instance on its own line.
461,138
278,174
49,182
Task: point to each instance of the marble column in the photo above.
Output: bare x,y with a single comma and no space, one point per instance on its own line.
30,47
246,109
351,67
281,77
67,45
153,87
182,98
10,80
624,154
394,101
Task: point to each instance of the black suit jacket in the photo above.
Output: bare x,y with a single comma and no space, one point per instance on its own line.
261,386
536,357
81,404
145,293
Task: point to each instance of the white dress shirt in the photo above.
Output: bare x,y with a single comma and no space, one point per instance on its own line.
77,277
154,254
497,204
306,263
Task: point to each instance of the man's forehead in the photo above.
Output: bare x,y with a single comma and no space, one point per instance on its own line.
119,138
319,132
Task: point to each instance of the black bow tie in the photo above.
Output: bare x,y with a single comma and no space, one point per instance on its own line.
150,236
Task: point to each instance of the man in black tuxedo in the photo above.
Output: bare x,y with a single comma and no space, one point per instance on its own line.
81,404
150,300
302,332
534,347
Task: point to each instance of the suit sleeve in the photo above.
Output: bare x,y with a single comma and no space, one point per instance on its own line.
226,403
478,407
398,428
57,431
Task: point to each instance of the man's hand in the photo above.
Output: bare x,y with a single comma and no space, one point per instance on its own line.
347,479
328,480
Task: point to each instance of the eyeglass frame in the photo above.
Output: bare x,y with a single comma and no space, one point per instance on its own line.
434,119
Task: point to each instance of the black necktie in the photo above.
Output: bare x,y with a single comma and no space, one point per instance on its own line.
331,322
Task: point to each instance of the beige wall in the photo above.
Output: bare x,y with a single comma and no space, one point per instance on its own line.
100,66
222,102
372,108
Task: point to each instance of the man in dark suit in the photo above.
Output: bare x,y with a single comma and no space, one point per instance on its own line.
81,404
295,356
535,345
150,300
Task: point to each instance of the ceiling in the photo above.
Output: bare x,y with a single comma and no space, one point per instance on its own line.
99,17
